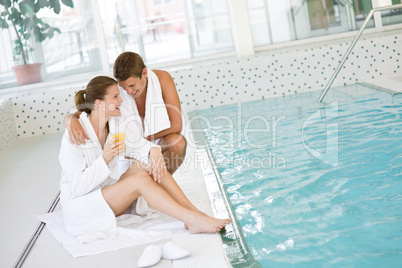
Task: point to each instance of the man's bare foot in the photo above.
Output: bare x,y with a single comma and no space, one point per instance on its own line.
201,223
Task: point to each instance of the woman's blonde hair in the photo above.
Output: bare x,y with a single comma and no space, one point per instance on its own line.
96,90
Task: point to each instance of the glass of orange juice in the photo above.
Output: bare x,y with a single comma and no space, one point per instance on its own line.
120,137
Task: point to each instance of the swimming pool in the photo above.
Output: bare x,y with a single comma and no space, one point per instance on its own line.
314,185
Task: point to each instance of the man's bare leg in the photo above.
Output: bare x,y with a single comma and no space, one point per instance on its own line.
173,150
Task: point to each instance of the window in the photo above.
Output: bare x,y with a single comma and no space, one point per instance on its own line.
392,16
73,51
169,31
282,21
159,30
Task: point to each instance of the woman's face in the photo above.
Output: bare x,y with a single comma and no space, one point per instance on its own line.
112,101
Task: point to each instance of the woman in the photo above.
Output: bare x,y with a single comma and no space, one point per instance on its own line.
91,198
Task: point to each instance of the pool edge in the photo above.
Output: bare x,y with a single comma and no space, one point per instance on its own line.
233,241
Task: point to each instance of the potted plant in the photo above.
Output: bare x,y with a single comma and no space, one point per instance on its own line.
21,16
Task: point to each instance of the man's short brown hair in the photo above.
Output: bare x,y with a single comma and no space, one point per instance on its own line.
128,64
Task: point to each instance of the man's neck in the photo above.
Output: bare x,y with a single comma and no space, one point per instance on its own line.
142,98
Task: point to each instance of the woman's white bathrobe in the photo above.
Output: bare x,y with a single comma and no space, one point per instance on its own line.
84,173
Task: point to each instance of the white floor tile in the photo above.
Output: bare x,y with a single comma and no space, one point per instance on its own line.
47,252
28,183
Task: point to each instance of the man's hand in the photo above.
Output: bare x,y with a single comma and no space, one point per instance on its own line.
76,133
157,164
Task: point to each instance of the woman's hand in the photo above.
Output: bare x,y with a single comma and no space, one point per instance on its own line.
157,165
112,148
76,133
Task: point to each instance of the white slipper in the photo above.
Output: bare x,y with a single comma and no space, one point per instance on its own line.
173,252
151,256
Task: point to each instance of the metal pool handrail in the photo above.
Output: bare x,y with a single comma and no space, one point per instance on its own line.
369,16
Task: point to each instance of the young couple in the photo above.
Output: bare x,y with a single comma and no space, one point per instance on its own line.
90,197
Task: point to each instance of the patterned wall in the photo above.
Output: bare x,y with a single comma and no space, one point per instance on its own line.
271,73
8,134
42,113
290,70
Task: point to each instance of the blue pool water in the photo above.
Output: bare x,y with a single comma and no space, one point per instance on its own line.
314,185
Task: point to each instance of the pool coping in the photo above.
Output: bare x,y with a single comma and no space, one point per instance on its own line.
234,243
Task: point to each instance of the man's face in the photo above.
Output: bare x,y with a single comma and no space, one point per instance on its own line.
135,86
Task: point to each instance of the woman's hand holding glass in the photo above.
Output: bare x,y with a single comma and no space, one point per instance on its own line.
115,146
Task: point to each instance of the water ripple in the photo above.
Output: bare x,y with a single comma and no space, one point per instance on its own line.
305,211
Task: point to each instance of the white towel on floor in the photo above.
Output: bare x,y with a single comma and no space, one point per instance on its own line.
156,117
128,234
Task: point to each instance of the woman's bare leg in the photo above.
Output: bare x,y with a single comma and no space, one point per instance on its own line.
168,184
120,196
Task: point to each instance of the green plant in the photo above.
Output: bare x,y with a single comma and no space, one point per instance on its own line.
22,16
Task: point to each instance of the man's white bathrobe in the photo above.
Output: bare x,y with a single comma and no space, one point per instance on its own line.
84,173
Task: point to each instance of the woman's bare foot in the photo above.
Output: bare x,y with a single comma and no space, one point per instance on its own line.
201,223
198,212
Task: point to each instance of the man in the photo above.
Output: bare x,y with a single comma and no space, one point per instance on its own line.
144,92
